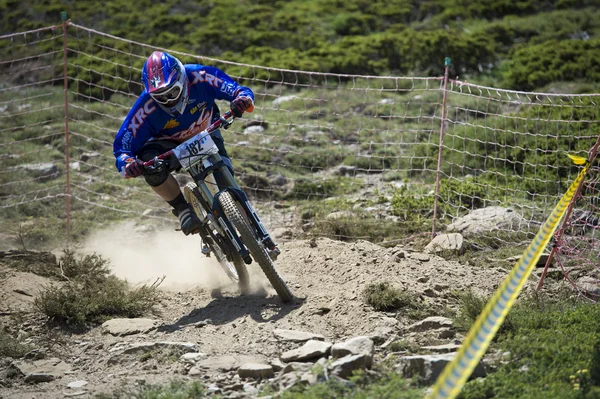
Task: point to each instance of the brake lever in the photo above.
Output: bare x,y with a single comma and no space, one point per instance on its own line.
157,165
225,123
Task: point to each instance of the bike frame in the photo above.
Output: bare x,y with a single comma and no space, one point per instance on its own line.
202,169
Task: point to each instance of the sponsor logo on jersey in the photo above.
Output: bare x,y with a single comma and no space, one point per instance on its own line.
229,89
199,125
171,124
140,116
203,77
126,141
198,107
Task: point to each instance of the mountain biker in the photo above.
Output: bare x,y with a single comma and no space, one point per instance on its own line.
177,103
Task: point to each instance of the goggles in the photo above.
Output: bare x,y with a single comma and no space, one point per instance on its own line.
168,95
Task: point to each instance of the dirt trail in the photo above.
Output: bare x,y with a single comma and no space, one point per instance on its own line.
327,276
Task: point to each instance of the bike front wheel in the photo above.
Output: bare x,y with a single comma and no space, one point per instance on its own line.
249,237
230,260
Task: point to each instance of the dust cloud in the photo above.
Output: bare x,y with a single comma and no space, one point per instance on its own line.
140,257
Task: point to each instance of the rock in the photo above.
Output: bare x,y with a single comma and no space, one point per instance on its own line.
281,233
254,130
421,257
381,334
355,346
345,366
310,350
429,367
277,364
446,242
487,219
286,381
43,171
296,367
255,371
77,384
226,362
430,323
340,215
345,170
191,357
446,348
39,377
143,347
277,179
282,99
296,336
309,378
43,370
589,286
88,155
122,327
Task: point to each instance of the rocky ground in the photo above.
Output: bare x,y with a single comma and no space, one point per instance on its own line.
236,344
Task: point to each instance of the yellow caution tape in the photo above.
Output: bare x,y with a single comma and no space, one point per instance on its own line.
577,160
455,374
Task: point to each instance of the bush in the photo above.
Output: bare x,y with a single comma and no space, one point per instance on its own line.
10,346
382,296
174,390
91,294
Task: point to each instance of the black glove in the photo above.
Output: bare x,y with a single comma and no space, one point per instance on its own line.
239,105
135,168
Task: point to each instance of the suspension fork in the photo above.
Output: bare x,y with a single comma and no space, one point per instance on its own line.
242,199
217,212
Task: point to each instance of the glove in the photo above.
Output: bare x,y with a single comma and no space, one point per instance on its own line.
239,105
135,168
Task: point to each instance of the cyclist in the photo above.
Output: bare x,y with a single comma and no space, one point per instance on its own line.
177,103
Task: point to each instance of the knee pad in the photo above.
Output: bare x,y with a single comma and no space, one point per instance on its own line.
158,178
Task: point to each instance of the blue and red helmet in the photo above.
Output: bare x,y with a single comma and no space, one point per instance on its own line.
165,80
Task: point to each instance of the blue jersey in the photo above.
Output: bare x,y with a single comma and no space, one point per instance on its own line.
148,121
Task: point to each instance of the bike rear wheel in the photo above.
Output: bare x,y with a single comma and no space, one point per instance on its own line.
237,217
230,260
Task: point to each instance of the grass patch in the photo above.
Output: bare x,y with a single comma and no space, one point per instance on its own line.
174,390
549,340
91,294
360,386
382,296
10,346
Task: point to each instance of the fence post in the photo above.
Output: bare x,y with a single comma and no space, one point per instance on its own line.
442,129
63,16
593,153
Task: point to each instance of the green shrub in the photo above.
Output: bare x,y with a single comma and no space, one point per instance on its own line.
10,346
174,390
91,294
567,60
382,296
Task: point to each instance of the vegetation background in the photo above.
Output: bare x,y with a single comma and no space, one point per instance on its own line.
522,45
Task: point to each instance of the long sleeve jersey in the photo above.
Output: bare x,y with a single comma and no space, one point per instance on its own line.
148,121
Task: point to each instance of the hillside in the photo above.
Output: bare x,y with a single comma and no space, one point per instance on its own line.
521,45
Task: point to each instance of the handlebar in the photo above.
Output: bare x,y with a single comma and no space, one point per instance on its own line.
223,122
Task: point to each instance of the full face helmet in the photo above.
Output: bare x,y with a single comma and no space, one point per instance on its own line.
165,80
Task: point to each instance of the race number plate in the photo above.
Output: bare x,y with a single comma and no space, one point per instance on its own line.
194,150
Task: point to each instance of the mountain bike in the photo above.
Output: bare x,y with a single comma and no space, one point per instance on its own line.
231,228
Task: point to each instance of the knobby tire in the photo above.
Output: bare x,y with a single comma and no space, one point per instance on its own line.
223,251
249,238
